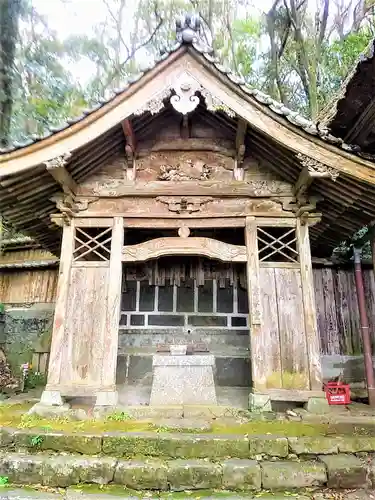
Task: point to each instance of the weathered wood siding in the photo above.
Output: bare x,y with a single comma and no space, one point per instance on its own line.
284,339
28,286
337,309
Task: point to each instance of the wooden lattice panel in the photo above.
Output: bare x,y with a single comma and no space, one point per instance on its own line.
277,244
92,244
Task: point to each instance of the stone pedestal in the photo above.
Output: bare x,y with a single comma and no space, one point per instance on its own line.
184,380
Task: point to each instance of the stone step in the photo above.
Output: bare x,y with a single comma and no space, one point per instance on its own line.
183,425
180,445
238,475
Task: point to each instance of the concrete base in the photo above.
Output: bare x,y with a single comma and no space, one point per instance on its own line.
183,380
51,398
317,405
106,398
259,402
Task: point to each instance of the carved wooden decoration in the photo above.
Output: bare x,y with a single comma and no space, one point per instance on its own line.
184,166
316,167
70,205
184,100
59,161
207,247
184,204
175,173
155,104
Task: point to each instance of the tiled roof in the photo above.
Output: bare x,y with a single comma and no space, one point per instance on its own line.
277,107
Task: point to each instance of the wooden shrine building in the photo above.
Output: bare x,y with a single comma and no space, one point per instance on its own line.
186,209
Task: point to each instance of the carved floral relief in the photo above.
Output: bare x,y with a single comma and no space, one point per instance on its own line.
184,166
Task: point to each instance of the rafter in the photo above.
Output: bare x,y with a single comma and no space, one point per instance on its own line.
362,127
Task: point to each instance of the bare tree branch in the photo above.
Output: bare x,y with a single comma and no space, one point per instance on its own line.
132,53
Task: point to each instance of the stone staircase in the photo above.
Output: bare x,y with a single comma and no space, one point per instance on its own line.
164,462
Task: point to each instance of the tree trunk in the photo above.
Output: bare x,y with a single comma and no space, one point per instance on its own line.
9,14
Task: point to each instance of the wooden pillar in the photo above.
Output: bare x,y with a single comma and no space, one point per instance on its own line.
309,307
51,394
257,351
108,395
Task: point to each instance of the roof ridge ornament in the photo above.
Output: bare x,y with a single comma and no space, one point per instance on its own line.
188,28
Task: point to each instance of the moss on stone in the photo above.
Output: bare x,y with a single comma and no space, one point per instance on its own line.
285,475
242,475
345,471
317,445
75,443
149,475
272,446
356,444
193,475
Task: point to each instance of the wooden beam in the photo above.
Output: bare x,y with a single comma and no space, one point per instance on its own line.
240,134
56,167
130,149
238,171
303,183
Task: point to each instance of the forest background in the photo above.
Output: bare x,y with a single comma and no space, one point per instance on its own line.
297,51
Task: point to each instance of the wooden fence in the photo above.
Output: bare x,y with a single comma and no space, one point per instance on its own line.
337,309
27,286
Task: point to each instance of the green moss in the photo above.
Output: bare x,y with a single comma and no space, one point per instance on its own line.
114,490
280,428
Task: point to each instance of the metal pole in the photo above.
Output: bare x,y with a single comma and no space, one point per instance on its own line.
369,369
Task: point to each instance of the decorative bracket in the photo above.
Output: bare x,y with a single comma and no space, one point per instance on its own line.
316,168
70,205
184,205
312,169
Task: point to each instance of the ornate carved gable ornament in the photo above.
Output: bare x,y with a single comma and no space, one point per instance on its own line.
315,166
184,99
181,204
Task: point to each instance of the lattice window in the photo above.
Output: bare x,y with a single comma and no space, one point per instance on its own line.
277,244
92,244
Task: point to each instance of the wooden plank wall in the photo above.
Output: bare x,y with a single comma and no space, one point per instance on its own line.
28,286
337,309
